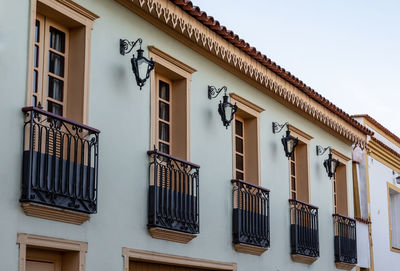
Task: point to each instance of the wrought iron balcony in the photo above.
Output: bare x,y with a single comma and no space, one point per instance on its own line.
60,162
250,214
304,229
173,193
345,239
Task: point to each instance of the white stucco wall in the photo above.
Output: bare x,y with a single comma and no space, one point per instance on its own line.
122,113
379,175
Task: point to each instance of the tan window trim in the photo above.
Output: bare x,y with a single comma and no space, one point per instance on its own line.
248,108
161,258
76,14
174,69
36,241
397,189
344,160
305,139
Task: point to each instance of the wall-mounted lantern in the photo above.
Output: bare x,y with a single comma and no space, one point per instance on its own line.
141,66
289,142
396,177
330,164
225,109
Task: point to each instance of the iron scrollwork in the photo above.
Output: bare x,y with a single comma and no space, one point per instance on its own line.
251,224
60,162
173,193
345,239
304,229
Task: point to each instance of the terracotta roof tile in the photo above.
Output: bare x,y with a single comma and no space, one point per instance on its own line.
231,37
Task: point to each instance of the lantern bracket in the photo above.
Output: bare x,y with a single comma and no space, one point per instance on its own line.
276,127
126,46
321,150
213,92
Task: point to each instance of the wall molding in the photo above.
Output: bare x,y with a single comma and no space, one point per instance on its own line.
169,259
384,154
176,22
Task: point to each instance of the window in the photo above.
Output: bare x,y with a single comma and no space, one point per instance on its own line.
170,103
299,167
339,185
246,154
50,254
394,216
50,69
60,45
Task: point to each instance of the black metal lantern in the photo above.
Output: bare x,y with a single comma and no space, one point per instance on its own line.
141,66
330,164
225,109
289,142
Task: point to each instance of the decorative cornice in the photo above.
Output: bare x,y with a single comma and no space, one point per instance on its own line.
175,21
386,155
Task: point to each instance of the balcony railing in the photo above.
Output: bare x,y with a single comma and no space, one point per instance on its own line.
304,229
345,239
173,193
60,162
250,214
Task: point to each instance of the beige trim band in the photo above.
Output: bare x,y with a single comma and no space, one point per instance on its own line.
383,155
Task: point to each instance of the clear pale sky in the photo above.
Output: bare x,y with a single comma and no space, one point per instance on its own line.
346,50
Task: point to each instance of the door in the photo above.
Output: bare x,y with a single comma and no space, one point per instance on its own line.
39,266
43,260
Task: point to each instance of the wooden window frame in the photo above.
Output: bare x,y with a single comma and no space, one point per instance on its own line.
170,103
43,71
173,69
344,161
397,189
169,259
73,15
304,139
27,241
247,110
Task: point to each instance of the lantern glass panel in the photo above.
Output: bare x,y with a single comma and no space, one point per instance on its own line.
228,112
142,68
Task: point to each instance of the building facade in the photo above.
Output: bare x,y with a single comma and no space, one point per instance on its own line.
378,194
100,173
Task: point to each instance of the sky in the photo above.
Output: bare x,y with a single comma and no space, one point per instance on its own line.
346,50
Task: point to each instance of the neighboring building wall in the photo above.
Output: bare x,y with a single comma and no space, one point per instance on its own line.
379,176
122,113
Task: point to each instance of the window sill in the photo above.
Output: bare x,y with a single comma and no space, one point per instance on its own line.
170,235
344,266
54,213
249,249
303,259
